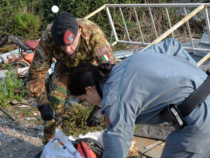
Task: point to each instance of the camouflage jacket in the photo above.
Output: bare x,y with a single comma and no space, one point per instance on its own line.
93,48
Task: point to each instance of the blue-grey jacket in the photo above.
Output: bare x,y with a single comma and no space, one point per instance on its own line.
140,86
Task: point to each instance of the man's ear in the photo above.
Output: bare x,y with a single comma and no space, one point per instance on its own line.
80,30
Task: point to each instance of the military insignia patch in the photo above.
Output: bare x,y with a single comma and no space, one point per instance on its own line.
106,57
68,37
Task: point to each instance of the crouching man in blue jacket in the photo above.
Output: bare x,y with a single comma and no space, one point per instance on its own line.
160,84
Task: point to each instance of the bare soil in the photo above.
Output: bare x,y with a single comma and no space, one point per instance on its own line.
20,138
21,130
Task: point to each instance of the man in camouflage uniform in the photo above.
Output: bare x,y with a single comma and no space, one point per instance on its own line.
70,41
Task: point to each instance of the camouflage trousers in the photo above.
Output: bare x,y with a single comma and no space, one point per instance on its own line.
58,97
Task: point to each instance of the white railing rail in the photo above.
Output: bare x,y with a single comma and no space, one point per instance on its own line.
198,8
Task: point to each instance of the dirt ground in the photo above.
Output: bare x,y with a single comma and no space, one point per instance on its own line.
21,137
21,130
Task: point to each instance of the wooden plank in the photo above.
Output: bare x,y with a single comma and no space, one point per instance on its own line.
159,132
153,145
154,152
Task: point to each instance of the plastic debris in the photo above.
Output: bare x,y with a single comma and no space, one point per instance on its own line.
39,127
20,116
97,135
41,133
23,106
30,118
37,113
66,150
14,101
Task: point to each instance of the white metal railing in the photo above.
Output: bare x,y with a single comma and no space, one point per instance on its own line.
198,8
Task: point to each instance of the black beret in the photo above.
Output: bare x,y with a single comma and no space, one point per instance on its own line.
64,29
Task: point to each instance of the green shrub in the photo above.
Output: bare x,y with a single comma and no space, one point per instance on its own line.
14,15
29,18
7,87
26,25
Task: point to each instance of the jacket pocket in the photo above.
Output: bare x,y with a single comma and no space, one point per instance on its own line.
194,144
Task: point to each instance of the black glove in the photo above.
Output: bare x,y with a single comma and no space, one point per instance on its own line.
47,112
95,118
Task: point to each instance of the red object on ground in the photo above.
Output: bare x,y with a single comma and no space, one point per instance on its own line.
20,116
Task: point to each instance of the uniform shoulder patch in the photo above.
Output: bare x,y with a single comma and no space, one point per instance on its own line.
103,53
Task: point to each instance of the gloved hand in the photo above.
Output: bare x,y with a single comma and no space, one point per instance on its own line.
95,118
47,112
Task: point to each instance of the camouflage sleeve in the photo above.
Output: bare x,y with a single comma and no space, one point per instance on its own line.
38,70
102,51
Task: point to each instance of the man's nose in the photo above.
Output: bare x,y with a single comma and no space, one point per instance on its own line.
68,49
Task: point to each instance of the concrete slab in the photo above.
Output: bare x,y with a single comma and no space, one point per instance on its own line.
150,148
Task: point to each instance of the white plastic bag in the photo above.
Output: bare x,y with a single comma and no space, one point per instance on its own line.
98,135
60,147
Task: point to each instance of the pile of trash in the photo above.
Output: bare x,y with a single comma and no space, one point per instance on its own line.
87,146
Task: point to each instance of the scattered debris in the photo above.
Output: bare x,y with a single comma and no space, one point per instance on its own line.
23,106
41,133
39,127
14,102
30,118
20,116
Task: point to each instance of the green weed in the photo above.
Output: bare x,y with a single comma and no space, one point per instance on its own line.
7,87
75,121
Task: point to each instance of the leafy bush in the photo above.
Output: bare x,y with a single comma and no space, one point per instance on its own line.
75,120
29,18
26,24
7,87
15,16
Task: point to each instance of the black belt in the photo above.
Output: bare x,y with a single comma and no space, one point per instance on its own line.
175,115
